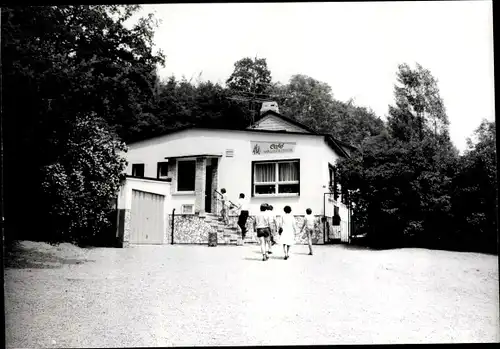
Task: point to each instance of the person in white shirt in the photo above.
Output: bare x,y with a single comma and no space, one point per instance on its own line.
261,226
242,219
309,227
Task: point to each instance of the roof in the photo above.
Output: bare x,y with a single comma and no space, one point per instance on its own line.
331,141
287,119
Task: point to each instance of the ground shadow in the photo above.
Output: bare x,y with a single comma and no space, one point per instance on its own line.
23,258
253,259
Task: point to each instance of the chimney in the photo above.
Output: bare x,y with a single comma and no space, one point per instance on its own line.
269,106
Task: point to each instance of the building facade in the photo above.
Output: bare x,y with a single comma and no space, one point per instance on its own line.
276,161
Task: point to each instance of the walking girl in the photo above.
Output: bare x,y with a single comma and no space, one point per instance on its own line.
224,202
289,227
272,227
261,226
309,227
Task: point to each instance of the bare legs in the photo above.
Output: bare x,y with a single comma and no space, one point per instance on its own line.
263,247
286,250
309,242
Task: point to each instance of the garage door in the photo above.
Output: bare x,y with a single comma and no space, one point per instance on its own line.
147,218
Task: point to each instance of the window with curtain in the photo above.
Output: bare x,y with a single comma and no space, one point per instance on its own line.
275,178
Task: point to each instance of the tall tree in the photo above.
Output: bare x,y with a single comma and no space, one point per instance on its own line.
66,61
311,102
475,197
404,187
419,109
250,76
250,80
308,100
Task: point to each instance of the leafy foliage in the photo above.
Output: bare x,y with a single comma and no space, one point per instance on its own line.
79,82
79,187
250,75
60,62
475,203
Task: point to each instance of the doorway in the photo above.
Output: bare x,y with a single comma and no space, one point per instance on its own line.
208,188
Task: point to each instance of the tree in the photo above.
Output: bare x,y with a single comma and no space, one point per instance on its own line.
419,109
308,100
79,188
475,197
59,62
250,80
402,179
250,76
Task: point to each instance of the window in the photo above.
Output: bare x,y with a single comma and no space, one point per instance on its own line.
275,178
187,209
331,176
186,175
162,170
138,170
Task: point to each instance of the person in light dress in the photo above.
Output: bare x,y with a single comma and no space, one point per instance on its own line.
288,229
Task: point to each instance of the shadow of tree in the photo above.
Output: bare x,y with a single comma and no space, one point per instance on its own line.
18,257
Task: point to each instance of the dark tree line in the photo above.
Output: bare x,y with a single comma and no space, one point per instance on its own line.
409,186
79,84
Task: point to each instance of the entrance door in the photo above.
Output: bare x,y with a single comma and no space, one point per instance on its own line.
208,189
147,218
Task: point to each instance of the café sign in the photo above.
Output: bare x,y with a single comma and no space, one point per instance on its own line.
262,148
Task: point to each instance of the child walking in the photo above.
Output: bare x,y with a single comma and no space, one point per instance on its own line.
289,227
223,212
309,227
272,227
261,226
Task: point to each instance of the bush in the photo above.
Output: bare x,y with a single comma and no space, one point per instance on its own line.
80,188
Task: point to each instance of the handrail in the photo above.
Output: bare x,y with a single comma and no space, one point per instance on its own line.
232,203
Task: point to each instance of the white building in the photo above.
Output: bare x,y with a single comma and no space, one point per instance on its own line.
276,161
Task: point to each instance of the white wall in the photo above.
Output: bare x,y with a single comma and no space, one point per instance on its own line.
234,173
125,194
150,186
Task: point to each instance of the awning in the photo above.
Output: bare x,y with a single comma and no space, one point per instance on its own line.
194,156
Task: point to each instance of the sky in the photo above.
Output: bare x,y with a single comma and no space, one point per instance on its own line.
354,47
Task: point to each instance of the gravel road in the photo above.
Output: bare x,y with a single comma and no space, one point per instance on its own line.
196,295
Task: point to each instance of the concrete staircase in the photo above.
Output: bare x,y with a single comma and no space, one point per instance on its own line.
228,234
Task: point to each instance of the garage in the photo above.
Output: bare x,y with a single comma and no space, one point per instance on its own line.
147,218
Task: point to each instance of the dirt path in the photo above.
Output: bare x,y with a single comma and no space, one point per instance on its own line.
195,295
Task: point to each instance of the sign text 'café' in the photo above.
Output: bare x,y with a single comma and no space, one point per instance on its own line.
260,148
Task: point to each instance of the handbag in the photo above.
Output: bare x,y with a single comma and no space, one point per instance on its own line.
280,230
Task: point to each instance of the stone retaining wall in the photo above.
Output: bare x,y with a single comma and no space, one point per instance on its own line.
191,229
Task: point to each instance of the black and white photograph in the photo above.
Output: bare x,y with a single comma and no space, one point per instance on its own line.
249,174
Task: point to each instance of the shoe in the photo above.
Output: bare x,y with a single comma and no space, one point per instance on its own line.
310,253
267,257
286,257
269,252
264,258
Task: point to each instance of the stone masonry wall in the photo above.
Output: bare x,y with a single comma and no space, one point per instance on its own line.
190,229
124,217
